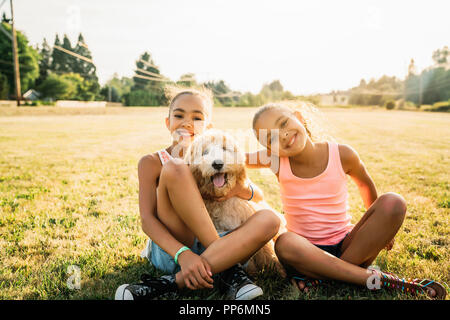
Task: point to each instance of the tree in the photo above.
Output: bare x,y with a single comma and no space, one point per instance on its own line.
376,92
145,91
84,68
432,84
115,89
57,56
412,70
441,57
45,63
272,91
57,87
4,87
187,80
145,66
68,61
222,93
69,86
62,62
276,86
110,93
28,60
435,85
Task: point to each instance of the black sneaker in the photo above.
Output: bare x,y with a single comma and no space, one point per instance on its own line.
149,288
236,284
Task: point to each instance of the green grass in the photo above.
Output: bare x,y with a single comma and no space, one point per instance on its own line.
68,196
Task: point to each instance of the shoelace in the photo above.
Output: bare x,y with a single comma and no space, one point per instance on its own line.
150,284
392,281
237,276
155,282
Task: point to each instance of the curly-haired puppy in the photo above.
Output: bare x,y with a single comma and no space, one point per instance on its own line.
218,165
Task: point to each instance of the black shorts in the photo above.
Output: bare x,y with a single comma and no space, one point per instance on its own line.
334,249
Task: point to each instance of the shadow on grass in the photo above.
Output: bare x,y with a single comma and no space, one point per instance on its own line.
99,282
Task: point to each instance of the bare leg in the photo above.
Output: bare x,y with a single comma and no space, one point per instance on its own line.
368,238
306,258
180,206
378,226
239,245
243,242
181,209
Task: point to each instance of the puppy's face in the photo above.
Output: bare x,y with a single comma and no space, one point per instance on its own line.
216,162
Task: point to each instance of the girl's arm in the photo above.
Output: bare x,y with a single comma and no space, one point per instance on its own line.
354,167
149,168
244,192
257,160
263,159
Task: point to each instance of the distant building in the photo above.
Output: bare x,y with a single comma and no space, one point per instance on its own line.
31,95
76,104
334,99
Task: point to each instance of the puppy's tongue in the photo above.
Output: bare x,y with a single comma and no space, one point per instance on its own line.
219,179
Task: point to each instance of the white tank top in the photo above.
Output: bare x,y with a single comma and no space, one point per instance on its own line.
164,156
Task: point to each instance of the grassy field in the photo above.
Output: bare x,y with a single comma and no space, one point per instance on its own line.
68,196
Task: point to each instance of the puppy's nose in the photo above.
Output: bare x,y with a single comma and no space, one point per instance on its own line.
217,164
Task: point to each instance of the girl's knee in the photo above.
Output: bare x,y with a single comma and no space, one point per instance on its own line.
393,205
268,222
174,170
285,244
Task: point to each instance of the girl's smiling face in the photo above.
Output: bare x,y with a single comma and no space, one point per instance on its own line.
188,116
281,131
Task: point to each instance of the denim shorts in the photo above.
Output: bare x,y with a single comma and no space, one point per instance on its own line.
165,262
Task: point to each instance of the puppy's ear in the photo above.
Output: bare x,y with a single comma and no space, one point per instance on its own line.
197,174
200,180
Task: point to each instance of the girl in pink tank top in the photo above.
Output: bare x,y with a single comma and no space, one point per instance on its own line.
319,211
320,242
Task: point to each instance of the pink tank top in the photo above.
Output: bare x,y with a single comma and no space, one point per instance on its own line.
316,208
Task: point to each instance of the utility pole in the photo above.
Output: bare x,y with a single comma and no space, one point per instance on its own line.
15,57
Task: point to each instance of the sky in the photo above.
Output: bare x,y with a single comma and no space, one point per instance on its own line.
310,46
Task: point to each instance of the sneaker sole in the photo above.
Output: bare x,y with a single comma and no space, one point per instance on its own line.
249,292
123,294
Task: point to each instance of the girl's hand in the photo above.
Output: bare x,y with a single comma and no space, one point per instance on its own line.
241,191
390,245
195,270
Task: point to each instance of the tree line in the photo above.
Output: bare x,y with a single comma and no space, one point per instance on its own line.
428,86
58,75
